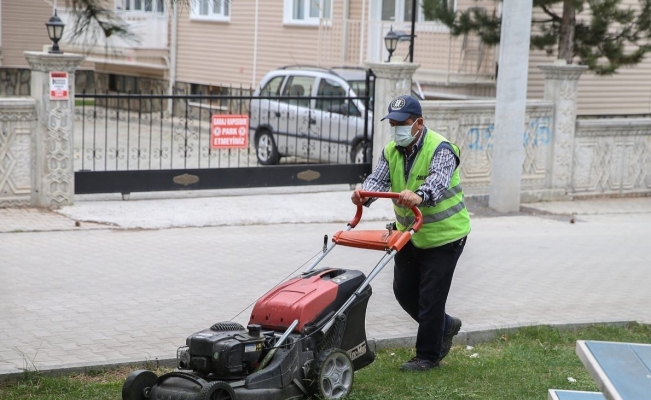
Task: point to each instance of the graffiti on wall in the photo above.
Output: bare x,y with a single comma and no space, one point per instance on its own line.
538,133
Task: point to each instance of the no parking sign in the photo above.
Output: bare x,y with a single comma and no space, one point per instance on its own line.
229,131
58,85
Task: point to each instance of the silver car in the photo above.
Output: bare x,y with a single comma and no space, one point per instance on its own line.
312,114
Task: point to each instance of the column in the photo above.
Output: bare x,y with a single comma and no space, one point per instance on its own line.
52,156
391,80
561,86
510,109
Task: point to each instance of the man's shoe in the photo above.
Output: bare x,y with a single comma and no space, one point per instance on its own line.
418,364
453,329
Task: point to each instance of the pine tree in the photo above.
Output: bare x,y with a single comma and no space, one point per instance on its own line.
96,19
602,34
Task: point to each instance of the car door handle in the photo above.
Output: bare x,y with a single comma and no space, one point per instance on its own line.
277,114
312,121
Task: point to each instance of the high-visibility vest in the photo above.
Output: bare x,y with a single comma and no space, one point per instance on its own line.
448,220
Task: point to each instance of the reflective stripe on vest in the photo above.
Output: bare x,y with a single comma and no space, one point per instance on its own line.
448,194
428,219
443,223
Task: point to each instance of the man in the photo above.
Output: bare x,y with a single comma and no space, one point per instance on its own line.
422,166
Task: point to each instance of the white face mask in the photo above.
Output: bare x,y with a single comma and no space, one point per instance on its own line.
402,134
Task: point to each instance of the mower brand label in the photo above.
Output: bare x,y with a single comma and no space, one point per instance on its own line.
249,348
357,351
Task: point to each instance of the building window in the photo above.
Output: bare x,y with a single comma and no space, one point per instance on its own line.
400,10
307,12
149,6
216,99
123,83
211,10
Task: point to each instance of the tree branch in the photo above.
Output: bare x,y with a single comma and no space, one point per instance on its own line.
552,14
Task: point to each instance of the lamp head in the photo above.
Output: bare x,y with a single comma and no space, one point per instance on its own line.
55,28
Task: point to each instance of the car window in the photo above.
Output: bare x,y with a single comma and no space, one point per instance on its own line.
328,89
360,90
299,87
272,88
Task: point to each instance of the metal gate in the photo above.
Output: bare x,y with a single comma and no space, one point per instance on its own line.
128,142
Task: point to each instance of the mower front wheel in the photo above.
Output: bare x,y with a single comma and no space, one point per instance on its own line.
216,390
138,385
332,375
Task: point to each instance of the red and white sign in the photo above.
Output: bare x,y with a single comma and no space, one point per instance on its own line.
58,85
229,131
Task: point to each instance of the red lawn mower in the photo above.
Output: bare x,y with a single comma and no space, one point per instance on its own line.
305,338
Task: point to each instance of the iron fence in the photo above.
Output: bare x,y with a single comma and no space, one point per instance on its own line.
237,129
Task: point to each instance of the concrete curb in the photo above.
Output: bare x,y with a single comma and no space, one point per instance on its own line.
471,338
464,338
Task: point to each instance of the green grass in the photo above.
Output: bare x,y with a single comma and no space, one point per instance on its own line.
86,102
517,365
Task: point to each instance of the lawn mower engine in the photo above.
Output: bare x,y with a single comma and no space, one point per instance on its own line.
283,353
225,349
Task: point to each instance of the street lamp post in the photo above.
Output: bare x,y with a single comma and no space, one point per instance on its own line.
413,30
55,32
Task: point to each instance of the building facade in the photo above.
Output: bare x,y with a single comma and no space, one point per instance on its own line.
209,45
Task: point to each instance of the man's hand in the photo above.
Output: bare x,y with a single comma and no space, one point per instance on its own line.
357,199
409,199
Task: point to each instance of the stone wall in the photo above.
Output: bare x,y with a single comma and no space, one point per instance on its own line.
100,82
85,81
612,157
470,125
17,125
201,109
14,82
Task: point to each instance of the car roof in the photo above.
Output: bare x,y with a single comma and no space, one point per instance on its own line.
346,73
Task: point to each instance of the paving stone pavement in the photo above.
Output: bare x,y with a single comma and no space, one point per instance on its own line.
83,296
35,219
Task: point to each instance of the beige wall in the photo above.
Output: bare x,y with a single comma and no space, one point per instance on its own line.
23,29
626,92
222,53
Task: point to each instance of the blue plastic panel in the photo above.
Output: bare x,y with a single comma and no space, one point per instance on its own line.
577,395
627,366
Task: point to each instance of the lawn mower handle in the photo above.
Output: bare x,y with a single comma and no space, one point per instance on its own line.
418,222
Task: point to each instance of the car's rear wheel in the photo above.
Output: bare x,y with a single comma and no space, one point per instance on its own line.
265,149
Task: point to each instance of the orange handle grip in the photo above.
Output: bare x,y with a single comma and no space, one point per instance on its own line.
418,222
401,242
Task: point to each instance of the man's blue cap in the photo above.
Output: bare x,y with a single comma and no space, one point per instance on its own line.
403,107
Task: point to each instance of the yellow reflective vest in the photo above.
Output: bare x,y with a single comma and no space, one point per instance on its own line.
448,220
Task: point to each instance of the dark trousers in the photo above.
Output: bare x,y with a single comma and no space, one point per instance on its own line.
421,282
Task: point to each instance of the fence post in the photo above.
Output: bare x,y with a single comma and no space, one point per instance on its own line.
391,80
561,87
53,173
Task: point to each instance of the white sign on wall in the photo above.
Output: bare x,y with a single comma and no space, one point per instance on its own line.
58,85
